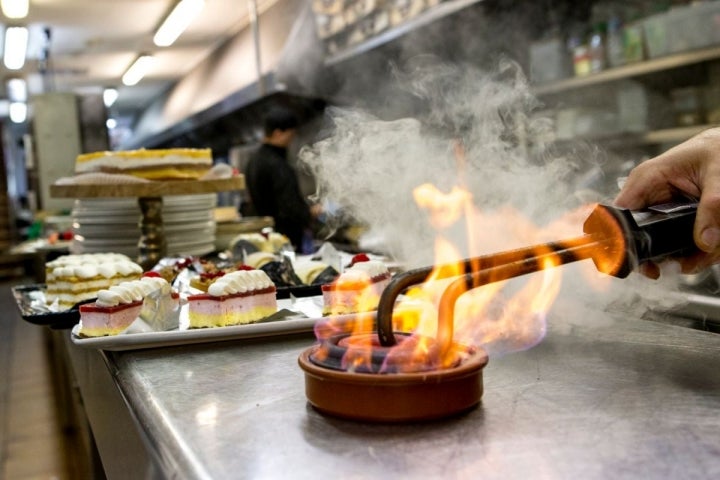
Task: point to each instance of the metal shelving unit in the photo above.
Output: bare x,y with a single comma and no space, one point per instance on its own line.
649,67
630,71
425,18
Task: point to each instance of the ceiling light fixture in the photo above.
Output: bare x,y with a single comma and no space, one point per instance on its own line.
16,40
181,16
109,96
18,112
137,70
17,90
15,8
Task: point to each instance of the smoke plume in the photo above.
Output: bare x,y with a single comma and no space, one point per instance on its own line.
370,166
523,192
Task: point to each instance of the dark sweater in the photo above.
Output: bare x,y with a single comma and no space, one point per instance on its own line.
275,192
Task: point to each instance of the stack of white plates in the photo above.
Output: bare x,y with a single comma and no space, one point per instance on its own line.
112,225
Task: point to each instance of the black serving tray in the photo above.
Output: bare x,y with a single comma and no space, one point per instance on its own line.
299,291
63,320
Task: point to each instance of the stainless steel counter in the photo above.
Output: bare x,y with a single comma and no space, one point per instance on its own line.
624,399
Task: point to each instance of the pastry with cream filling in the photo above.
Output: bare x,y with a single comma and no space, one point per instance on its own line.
72,279
240,297
118,307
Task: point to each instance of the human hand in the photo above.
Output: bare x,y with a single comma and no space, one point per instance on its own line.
691,169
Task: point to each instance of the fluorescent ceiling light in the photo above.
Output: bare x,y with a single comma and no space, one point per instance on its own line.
15,8
109,96
17,90
16,39
137,70
178,20
18,112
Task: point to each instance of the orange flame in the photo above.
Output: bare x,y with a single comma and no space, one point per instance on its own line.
485,315
500,315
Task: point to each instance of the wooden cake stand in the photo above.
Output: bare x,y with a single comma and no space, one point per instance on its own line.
152,245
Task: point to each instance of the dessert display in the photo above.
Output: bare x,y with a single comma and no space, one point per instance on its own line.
236,298
75,278
357,289
165,164
117,307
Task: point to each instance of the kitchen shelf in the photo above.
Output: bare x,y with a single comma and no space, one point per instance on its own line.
629,71
652,137
425,18
673,135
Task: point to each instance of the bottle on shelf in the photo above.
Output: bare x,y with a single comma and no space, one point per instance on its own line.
596,48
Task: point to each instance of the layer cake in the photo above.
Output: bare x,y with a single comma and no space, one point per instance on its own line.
75,278
118,307
165,164
240,297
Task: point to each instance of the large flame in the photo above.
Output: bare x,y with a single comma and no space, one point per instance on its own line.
487,315
500,316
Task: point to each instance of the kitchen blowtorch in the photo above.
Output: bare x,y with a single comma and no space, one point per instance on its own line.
617,240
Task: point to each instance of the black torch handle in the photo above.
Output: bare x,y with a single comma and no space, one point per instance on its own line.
632,237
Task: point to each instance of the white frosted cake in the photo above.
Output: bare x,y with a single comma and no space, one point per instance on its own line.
240,297
74,278
167,164
117,307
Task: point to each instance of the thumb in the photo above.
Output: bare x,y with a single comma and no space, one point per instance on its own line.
707,222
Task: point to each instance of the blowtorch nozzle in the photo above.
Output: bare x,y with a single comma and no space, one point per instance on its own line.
628,238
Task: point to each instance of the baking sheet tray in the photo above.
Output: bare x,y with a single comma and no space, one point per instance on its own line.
140,336
27,297
300,291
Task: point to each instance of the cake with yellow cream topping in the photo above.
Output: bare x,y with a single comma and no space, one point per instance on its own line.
240,297
157,164
75,278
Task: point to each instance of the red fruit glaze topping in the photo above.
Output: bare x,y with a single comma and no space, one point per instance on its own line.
360,257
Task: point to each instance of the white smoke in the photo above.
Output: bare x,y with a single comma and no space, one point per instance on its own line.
370,166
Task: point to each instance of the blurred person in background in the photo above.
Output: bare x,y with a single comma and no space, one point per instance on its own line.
691,169
273,184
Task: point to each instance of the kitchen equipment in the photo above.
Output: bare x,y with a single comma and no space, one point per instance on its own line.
388,388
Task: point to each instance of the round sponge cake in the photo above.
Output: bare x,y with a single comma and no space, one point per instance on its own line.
166,164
